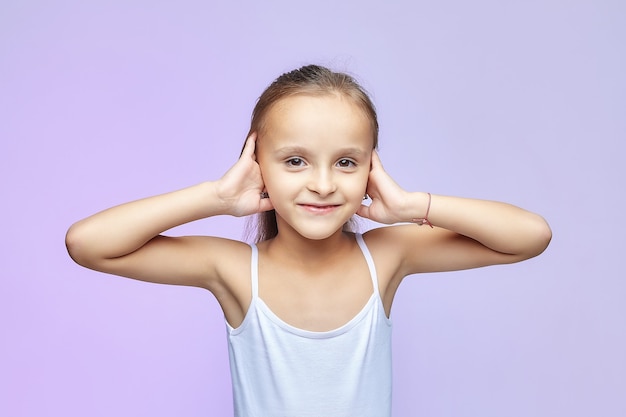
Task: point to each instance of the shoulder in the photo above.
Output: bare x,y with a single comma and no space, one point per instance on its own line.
386,245
230,278
407,248
224,256
215,259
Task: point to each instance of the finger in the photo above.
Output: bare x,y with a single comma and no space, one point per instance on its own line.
248,149
376,163
253,137
266,205
363,211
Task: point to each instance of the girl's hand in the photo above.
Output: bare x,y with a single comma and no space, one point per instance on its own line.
388,198
241,188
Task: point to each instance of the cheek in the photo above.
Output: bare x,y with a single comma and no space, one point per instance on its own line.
358,186
364,178
274,183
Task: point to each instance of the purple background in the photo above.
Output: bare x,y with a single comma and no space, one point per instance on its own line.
522,101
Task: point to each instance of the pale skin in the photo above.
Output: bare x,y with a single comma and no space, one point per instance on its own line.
314,158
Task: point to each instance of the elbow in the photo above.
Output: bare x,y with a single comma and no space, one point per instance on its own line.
540,237
72,243
76,244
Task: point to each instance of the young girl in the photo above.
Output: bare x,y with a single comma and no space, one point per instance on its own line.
307,308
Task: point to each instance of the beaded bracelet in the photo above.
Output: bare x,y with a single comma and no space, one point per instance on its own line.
424,220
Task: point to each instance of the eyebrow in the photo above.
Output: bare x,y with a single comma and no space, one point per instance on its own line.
291,150
299,150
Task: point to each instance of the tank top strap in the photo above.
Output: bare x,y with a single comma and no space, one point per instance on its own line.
254,271
370,261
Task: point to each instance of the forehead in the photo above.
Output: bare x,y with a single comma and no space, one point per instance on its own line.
318,119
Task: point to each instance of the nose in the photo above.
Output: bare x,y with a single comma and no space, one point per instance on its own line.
321,181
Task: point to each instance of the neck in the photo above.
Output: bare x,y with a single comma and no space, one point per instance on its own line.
301,250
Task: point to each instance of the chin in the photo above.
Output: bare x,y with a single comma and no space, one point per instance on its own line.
316,228
312,233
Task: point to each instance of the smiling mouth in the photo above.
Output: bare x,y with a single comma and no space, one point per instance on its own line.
319,208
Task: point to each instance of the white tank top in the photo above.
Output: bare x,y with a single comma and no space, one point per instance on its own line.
282,371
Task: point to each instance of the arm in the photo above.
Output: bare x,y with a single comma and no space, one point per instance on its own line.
125,240
468,233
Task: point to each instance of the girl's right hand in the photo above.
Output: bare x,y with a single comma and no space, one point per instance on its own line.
127,239
240,189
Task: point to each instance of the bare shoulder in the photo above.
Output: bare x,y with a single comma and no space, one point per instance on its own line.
388,246
223,260
230,260
415,249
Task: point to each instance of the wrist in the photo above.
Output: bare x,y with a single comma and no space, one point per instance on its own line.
419,208
420,221
213,201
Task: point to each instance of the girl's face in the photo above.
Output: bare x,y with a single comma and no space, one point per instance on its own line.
315,154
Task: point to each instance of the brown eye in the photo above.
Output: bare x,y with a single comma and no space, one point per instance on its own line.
295,162
345,163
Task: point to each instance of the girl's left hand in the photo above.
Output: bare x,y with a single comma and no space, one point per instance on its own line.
388,198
